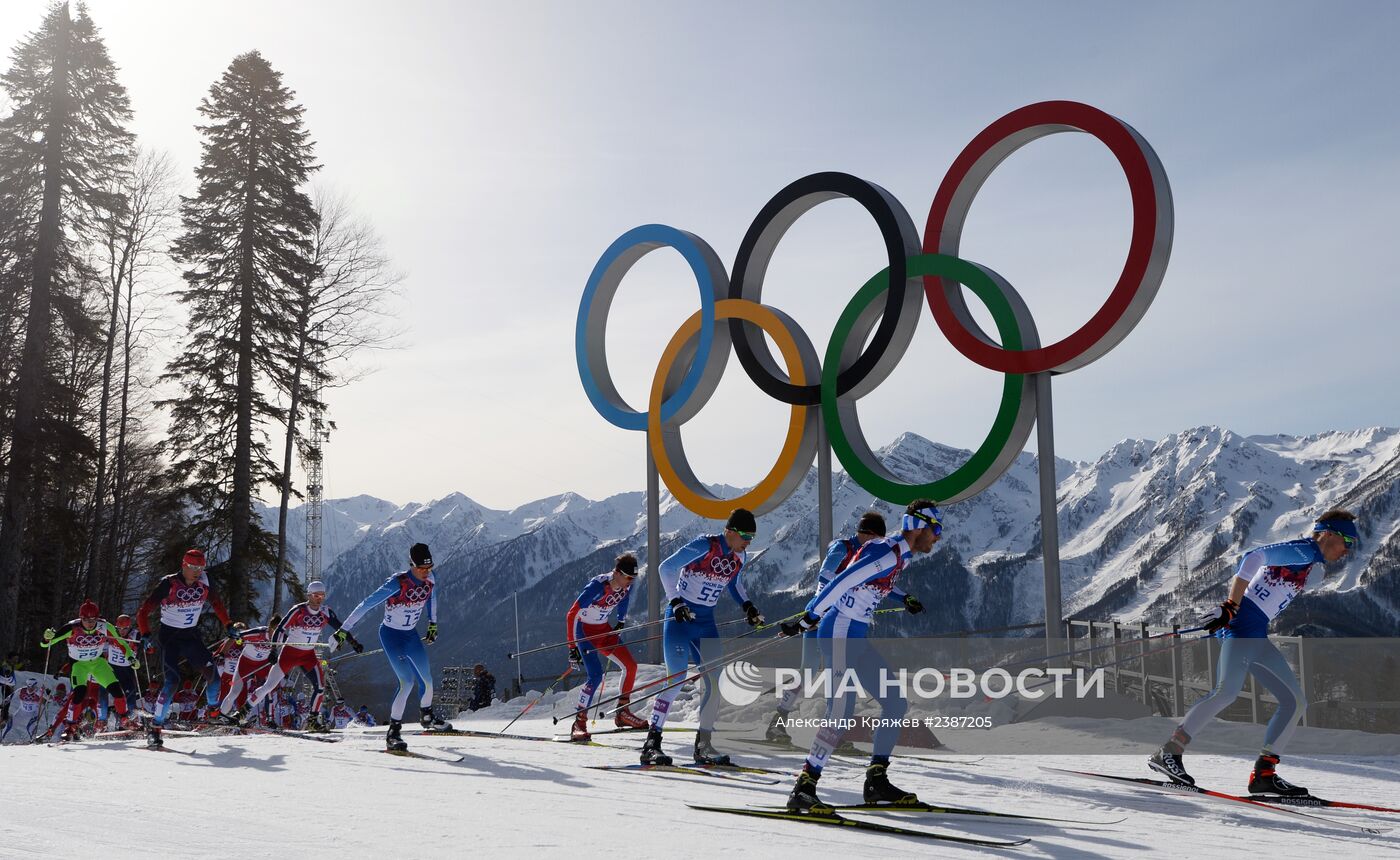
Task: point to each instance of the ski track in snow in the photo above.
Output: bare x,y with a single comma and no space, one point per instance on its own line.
511,798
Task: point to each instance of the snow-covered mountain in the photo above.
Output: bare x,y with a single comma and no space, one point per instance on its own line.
1149,531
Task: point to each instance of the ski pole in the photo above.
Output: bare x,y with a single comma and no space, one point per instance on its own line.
566,642
1118,642
701,670
547,691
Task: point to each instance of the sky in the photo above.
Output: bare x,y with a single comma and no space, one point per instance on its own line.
499,148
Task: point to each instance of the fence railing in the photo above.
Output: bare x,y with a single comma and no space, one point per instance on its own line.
1163,677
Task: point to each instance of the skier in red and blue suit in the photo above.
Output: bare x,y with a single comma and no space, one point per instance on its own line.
591,639
405,597
694,578
181,598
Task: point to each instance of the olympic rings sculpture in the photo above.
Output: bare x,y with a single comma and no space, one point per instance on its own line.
877,325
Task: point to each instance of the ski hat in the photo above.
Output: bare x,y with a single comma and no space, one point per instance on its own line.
32,682
194,557
123,620
420,555
871,523
315,586
88,609
742,520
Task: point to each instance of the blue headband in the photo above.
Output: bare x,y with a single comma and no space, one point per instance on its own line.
1346,528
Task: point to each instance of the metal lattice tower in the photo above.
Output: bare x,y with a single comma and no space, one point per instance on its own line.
312,459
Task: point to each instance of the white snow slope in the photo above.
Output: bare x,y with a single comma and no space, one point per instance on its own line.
267,795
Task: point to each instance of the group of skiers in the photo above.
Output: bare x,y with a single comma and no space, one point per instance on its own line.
857,574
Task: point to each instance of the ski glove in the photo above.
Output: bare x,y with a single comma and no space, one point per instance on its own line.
49,634
432,632
343,635
681,611
807,622
135,664
1222,617
148,642
574,655
233,633
751,614
912,604
619,625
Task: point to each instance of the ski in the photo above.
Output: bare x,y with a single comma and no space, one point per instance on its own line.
1312,801
835,820
934,809
1179,790
289,733
714,772
445,757
169,750
480,734
622,730
850,754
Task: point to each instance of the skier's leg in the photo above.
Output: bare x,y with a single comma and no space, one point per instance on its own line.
394,643
893,705
835,634
1277,676
594,667
1236,655
675,649
708,650
417,657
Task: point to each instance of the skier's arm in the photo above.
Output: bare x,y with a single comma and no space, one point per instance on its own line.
386,591
152,602
623,604
67,631
835,554
280,633
218,606
736,588
432,604
1251,564
870,566
671,568
590,594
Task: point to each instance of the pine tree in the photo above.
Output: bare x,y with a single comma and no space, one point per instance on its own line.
246,239
61,150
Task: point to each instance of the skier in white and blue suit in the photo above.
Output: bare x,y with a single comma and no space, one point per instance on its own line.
842,613
1268,579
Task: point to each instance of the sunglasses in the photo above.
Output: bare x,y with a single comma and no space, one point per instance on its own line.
625,573
1349,541
932,523
744,535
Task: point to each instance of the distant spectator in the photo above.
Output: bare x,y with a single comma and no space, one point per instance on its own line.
483,688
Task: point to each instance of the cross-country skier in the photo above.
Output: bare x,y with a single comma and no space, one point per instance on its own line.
838,557
364,718
124,671
297,636
842,613
226,656
254,662
405,597
88,636
24,710
1268,579
341,715
694,578
591,639
181,598
11,664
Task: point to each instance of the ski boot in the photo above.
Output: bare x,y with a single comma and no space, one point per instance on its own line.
651,750
239,717
776,731
879,790
804,795
578,732
1169,764
1263,780
625,719
393,741
431,722
315,725
153,739
705,752
99,727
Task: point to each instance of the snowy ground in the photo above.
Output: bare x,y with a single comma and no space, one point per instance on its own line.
510,798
